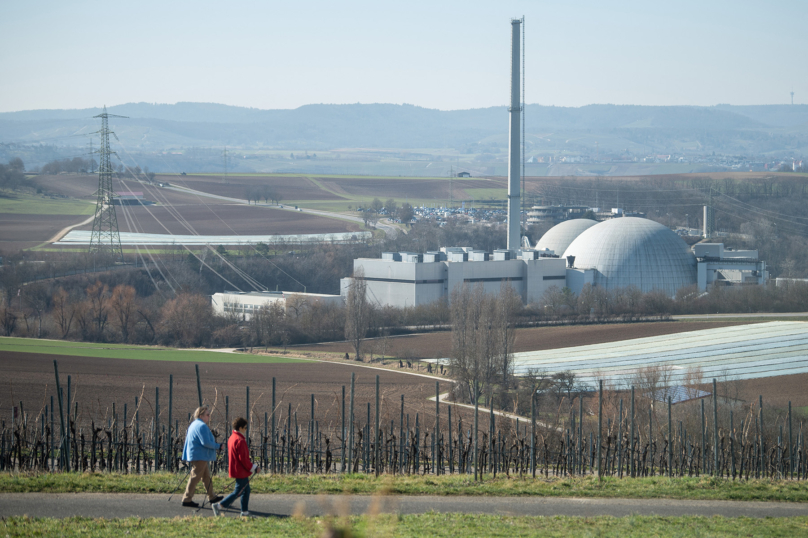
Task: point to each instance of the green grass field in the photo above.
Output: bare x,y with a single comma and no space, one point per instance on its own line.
431,524
35,204
686,488
123,351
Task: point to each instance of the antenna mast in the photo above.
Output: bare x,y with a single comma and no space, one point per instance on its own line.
105,237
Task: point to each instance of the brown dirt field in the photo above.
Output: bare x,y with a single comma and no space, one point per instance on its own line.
226,219
439,344
776,391
291,188
402,188
74,186
534,184
98,382
17,227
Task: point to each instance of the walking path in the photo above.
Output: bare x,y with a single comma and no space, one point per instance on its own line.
118,505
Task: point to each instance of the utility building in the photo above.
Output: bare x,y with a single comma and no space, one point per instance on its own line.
406,279
245,304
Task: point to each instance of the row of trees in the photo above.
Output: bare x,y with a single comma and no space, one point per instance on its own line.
76,165
595,303
390,208
263,192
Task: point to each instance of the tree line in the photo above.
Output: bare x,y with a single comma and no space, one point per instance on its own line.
263,192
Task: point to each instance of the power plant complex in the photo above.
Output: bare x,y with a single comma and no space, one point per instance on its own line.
620,252
616,253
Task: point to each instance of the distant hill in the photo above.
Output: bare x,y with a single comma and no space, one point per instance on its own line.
671,129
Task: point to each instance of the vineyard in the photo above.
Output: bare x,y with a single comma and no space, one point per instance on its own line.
616,433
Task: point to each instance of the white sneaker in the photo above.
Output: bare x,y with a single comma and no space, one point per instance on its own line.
216,509
246,514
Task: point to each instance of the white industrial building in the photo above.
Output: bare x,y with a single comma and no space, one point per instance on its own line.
244,304
617,253
403,279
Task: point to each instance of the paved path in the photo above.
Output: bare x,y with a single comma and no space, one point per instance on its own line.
152,505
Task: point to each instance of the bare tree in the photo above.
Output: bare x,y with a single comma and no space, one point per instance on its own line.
123,307
8,319
63,311
98,303
357,312
508,304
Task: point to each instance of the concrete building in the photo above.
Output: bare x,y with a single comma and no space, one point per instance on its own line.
554,213
244,304
718,265
406,279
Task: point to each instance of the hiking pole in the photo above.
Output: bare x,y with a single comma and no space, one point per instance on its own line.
206,497
178,483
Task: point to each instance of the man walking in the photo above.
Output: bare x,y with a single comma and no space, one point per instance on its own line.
200,448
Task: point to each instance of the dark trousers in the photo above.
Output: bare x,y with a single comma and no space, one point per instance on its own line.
243,489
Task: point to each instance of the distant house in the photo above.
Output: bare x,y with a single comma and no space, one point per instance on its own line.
130,198
463,174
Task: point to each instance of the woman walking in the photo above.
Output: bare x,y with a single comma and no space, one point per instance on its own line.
240,468
200,448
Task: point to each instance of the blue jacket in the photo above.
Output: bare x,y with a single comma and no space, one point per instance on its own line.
199,443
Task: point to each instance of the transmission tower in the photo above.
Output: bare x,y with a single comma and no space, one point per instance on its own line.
224,158
105,237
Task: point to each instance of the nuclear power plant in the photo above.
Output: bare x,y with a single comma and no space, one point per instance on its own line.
616,253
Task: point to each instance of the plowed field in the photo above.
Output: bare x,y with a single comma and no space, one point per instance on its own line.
98,382
439,344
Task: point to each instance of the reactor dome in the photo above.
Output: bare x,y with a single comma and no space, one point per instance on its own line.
637,252
560,236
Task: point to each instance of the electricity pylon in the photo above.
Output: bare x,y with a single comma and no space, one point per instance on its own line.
105,237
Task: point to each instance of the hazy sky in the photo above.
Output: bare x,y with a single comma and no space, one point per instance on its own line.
447,55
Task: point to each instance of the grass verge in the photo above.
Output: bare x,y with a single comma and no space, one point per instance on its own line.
124,351
430,524
358,484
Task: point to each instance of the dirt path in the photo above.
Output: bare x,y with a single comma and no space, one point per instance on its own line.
64,231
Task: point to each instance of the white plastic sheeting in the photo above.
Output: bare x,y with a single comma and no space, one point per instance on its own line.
82,237
741,352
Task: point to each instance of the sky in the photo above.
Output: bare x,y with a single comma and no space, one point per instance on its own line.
446,55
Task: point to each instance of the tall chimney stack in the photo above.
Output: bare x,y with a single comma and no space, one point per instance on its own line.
515,110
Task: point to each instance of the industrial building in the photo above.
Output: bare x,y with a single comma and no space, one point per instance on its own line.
405,279
617,253
245,304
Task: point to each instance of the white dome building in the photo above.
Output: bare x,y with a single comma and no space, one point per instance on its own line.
635,252
560,236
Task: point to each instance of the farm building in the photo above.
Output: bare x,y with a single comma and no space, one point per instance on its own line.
245,304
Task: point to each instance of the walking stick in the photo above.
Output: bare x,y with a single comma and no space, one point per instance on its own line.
180,482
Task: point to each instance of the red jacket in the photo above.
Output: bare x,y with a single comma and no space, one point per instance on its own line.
238,456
